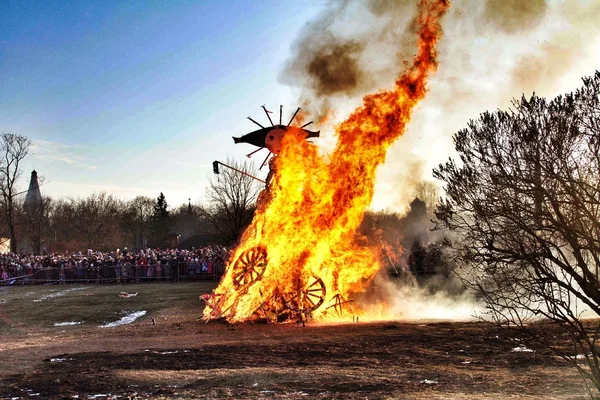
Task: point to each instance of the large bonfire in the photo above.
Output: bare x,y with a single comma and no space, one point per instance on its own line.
301,251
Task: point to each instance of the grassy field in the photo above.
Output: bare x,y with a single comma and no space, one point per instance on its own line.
179,357
41,306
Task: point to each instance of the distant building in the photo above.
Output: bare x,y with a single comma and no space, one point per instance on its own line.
33,209
33,199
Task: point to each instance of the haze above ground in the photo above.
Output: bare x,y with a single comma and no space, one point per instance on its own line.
139,98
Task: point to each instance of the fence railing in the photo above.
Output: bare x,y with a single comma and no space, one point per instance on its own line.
178,271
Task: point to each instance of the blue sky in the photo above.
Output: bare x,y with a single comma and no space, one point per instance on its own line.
140,97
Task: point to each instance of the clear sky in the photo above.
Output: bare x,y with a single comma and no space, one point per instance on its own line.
140,97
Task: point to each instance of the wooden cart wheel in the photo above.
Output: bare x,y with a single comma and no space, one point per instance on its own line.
313,294
249,267
309,298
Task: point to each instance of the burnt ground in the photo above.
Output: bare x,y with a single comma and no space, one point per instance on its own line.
187,359
181,358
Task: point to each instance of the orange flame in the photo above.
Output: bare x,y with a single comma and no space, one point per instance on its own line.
302,248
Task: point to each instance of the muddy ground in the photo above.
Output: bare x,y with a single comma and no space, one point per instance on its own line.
179,357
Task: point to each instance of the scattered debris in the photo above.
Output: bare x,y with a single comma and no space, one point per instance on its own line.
61,359
125,295
522,349
127,319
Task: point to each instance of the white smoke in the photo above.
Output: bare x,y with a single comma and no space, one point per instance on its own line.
492,51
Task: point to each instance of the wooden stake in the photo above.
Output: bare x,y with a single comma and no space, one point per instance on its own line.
294,116
268,116
280,113
255,151
255,122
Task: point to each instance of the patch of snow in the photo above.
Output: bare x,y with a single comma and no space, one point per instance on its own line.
59,294
429,382
60,359
69,323
255,384
97,396
49,296
127,319
522,349
166,352
78,288
467,362
579,357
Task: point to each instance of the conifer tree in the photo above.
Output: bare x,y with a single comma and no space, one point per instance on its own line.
161,222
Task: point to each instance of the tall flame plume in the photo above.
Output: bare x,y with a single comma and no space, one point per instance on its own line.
309,227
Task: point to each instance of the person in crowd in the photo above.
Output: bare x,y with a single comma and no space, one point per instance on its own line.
119,266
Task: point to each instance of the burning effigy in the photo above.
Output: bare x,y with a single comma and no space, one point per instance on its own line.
301,258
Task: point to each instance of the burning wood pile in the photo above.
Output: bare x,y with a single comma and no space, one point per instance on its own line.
301,257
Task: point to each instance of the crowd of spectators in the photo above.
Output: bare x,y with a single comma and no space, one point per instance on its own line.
119,265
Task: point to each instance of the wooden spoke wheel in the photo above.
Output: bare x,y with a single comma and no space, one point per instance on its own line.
309,298
249,267
313,294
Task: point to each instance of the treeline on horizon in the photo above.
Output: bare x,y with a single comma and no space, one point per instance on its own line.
104,222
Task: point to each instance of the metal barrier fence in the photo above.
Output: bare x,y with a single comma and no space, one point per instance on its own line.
177,271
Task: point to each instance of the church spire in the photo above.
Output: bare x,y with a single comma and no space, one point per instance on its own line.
34,196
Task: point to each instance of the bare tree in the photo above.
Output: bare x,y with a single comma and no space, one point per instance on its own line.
231,197
13,149
524,202
429,193
137,220
94,220
35,224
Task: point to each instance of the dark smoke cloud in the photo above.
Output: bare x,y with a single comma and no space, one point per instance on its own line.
512,16
492,51
335,67
351,49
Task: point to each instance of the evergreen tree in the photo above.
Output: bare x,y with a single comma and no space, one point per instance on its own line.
161,222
